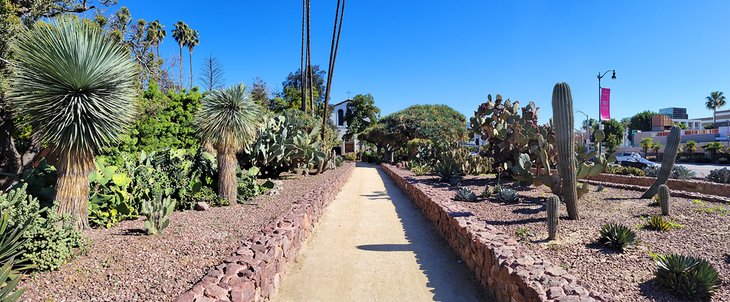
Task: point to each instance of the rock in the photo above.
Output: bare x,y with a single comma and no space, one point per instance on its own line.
202,206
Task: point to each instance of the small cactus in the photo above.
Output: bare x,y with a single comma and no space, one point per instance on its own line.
157,212
553,205
465,194
508,195
665,198
670,154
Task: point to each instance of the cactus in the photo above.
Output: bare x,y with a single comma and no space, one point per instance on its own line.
664,199
563,121
553,205
670,154
157,212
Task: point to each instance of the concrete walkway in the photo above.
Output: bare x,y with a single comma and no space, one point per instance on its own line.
372,244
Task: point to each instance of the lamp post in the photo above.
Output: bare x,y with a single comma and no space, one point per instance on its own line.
600,76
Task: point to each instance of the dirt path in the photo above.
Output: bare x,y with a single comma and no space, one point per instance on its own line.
372,244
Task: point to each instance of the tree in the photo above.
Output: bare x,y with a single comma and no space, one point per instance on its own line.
360,114
33,10
77,88
646,144
340,12
192,41
229,120
181,33
212,73
714,101
681,126
655,146
690,147
642,121
614,131
260,93
292,88
155,34
432,122
713,148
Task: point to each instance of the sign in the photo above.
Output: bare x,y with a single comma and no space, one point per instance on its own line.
605,104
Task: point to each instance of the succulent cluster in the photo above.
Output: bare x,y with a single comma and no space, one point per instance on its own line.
508,195
678,172
686,276
617,236
659,223
158,212
465,194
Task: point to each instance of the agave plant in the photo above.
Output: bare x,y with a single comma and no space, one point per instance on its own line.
465,194
229,120
618,236
75,87
687,277
508,195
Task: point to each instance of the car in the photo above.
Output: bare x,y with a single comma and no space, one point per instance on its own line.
641,163
627,156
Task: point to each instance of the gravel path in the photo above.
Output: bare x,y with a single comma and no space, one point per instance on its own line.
627,276
372,244
122,265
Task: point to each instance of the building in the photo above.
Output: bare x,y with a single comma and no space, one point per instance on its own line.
338,118
675,113
660,122
722,117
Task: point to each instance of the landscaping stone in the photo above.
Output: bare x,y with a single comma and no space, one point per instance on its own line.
202,206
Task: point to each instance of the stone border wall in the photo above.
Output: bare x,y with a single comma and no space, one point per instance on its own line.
693,188
254,271
509,271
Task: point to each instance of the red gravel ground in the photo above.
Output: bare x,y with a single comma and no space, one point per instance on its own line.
628,276
123,265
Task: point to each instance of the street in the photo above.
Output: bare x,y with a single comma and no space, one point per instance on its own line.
702,170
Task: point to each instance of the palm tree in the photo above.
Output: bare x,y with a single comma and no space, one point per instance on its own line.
192,41
646,144
715,101
155,34
180,34
77,87
340,12
655,146
228,119
713,148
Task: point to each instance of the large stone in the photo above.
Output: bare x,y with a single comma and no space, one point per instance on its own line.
202,206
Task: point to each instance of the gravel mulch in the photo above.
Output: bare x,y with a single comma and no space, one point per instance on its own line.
628,276
122,264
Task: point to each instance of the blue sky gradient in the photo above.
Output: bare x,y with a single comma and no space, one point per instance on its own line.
666,53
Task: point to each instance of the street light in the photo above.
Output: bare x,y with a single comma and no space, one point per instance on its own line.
586,126
600,76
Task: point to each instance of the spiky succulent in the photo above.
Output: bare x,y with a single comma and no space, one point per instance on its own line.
228,118
158,212
659,223
75,86
687,277
508,195
617,236
465,194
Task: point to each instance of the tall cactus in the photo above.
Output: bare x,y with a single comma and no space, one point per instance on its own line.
553,204
563,122
670,154
665,198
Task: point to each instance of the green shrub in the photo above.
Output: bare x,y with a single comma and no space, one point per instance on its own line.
508,195
621,170
617,236
110,200
659,223
678,172
687,277
465,194
421,170
351,156
158,212
447,170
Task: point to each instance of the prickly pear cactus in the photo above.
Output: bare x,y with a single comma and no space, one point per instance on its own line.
670,154
157,212
563,122
553,206
665,198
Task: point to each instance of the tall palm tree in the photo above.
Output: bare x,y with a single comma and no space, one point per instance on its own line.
715,101
180,34
192,41
77,87
228,119
155,34
339,13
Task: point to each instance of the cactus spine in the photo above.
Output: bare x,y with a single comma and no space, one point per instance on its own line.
553,204
670,154
664,198
563,122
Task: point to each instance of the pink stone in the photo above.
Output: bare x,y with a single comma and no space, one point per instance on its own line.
186,297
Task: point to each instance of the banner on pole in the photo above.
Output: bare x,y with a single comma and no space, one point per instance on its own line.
605,104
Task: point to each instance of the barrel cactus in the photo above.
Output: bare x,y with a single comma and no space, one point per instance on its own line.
670,154
563,122
664,199
553,205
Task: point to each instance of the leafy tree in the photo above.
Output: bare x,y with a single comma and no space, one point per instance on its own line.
360,114
690,147
682,126
646,144
614,131
77,86
33,10
212,74
229,120
192,41
714,101
642,121
260,93
713,148
292,88
433,122
181,34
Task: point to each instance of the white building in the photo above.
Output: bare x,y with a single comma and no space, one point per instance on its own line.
338,118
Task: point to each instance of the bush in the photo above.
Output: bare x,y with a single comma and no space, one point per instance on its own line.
678,172
621,170
351,156
687,277
617,236
719,176
421,170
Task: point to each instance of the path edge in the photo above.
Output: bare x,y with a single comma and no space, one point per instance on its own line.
508,271
254,271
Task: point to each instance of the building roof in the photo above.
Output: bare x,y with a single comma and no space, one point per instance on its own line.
340,103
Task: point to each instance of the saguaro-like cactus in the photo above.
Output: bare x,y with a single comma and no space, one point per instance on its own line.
563,122
553,205
665,198
670,154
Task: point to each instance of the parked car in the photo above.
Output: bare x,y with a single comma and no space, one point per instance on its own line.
626,156
633,159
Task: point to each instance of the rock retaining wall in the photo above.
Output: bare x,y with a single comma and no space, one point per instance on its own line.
693,188
509,271
254,271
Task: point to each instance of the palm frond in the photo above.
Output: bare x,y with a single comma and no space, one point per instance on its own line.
228,118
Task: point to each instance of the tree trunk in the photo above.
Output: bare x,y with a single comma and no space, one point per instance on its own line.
191,70
12,162
181,69
72,188
227,182
302,73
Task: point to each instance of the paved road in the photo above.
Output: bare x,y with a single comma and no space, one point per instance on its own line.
703,170
372,244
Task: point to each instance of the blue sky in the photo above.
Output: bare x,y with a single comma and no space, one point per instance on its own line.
666,53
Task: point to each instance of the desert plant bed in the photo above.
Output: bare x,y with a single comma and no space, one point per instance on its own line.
122,264
702,229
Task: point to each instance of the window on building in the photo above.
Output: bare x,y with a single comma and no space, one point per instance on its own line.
340,117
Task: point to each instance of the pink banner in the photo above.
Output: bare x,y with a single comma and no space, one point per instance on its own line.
605,104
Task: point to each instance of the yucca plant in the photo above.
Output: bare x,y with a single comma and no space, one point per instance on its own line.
617,236
75,87
8,284
229,120
687,277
